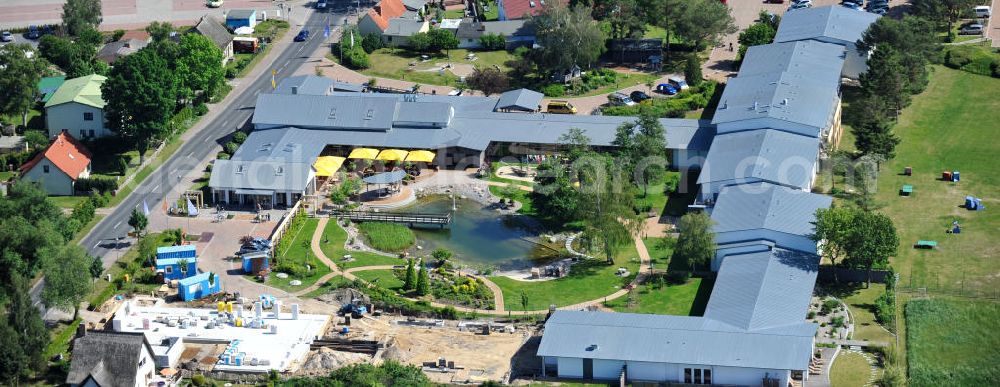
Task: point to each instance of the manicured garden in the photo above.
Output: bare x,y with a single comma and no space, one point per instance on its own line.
389,237
294,257
850,369
861,301
394,63
384,278
951,126
660,249
688,299
332,246
952,342
588,280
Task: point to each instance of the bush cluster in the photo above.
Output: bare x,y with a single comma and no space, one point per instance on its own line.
674,107
885,304
98,184
973,59
238,65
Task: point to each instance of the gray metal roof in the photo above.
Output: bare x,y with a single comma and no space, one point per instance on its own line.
472,29
817,59
403,27
764,289
260,175
767,206
305,84
386,177
109,358
347,86
672,339
240,14
215,31
833,23
796,98
520,99
767,154
279,145
414,5
471,126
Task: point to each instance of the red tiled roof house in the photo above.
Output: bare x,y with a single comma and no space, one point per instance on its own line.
392,21
59,166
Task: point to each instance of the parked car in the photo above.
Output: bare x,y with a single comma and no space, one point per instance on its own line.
619,99
879,11
794,2
678,83
214,3
982,11
875,4
971,29
639,96
800,6
455,92
6,36
302,36
775,1
666,88
33,32
560,107
851,5
320,4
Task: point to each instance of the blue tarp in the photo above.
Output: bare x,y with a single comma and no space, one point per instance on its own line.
385,178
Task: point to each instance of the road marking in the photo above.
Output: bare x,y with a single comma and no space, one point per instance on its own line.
117,224
155,188
191,154
255,93
226,122
96,244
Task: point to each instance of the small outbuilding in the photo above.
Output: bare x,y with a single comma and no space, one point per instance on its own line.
176,268
198,286
522,100
255,262
237,18
185,251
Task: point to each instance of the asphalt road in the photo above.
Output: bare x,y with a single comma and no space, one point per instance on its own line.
107,239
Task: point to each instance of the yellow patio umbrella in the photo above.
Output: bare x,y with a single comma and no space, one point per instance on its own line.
363,153
420,156
392,155
328,165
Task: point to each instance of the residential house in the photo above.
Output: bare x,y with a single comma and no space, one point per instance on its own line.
522,100
521,9
111,52
218,34
517,32
48,86
106,359
59,166
837,25
400,30
237,18
376,21
415,5
137,35
78,107
198,286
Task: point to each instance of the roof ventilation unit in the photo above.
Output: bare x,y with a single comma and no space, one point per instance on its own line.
370,114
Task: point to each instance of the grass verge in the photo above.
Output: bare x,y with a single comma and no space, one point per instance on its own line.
296,256
952,342
687,299
850,369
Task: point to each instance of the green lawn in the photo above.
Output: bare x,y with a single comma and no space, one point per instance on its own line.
384,278
952,342
521,196
298,251
395,63
850,369
951,126
660,249
332,284
588,280
454,14
861,302
333,246
67,202
7,175
688,299
389,237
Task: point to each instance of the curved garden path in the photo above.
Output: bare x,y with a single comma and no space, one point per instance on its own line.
498,301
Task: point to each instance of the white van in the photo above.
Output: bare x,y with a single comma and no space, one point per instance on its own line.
982,11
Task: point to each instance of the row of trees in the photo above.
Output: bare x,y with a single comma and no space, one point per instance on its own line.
855,237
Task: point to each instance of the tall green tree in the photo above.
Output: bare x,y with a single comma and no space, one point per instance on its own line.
488,80
442,39
696,243
553,195
199,67
757,34
423,281
667,14
409,281
141,93
23,333
79,14
606,218
76,58
704,22
833,230
65,287
642,149
19,75
872,242
568,37
946,12
524,301
627,18
160,30
692,70
875,137
138,222
887,79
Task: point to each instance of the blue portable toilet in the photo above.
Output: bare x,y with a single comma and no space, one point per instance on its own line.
185,251
970,203
198,286
954,176
173,270
255,262
979,204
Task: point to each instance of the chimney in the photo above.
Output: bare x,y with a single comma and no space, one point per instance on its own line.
81,330
295,89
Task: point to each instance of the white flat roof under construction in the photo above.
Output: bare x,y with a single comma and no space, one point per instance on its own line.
283,350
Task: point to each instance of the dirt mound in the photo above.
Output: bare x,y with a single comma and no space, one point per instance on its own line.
325,359
396,353
344,296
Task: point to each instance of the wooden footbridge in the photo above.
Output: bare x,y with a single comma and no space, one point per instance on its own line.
410,219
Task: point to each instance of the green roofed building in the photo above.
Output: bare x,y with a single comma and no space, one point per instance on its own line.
48,86
77,107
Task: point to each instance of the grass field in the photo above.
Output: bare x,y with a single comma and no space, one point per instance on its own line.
390,237
586,281
67,202
660,250
850,369
952,343
395,64
951,126
688,299
299,252
332,245
384,278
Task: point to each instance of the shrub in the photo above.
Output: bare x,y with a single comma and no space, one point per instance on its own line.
356,59
828,306
291,268
239,137
387,236
493,41
554,90
230,147
99,184
200,109
222,156
371,42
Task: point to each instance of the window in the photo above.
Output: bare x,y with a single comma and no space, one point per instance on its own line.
142,361
168,270
698,375
91,133
45,169
83,133
88,116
